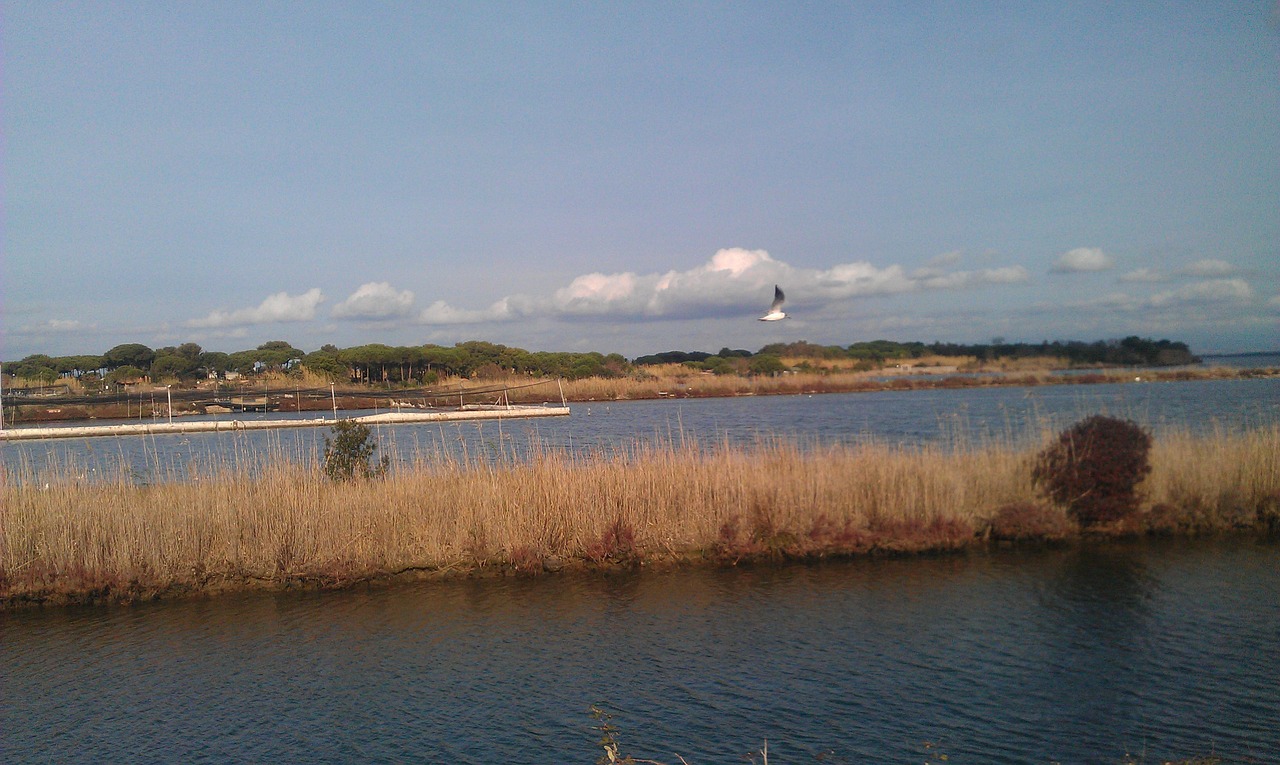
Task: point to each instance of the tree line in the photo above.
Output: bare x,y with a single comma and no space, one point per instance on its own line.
426,364
373,363
1129,351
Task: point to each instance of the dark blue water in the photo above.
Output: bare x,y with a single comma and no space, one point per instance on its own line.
1155,649
897,417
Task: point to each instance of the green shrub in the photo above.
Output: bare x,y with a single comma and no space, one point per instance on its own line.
349,454
1094,469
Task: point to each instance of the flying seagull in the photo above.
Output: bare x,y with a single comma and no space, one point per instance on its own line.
775,310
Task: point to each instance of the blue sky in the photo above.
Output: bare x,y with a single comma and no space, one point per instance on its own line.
635,177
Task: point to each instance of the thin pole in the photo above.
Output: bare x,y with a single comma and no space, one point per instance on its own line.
335,402
169,393
1,396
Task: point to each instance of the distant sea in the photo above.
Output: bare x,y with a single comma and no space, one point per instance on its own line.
1241,360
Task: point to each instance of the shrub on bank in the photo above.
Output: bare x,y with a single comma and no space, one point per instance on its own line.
349,454
1029,520
1094,469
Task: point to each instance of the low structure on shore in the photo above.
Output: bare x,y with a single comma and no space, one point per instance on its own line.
470,412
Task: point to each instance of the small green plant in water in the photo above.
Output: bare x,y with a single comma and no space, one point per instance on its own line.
349,454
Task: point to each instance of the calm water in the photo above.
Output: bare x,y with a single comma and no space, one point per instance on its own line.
1073,655
892,416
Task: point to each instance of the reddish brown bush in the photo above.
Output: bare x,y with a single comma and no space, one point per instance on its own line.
1094,469
617,544
1029,520
526,560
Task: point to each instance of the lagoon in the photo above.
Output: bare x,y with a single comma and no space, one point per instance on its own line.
1081,654
894,417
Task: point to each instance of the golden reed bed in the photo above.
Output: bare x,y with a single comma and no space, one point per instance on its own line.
72,541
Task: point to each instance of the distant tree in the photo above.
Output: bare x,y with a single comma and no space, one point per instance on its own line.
722,365
36,368
766,364
215,361
129,354
173,365
325,364
125,374
615,365
671,357
77,364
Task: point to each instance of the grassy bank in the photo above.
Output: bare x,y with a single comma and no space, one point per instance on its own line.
72,541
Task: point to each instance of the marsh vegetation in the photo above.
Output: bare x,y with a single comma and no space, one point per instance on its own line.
672,502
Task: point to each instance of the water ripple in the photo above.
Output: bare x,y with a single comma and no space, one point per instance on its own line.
1167,648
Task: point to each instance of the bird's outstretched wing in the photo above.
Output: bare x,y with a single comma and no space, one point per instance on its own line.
775,310
778,299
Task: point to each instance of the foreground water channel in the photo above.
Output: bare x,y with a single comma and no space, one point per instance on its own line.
1085,654
896,417
1088,653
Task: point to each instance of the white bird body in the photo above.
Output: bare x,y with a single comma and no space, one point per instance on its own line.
775,311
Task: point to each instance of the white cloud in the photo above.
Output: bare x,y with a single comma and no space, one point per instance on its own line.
62,325
963,279
441,312
1209,269
733,282
1111,302
1144,275
280,307
1212,291
1082,259
375,300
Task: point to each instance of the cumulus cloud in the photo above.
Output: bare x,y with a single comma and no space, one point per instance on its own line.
280,307
1082,259
733,282
375,300
1211,291
1209,269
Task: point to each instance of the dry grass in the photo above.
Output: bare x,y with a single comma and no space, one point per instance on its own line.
117,540
677,380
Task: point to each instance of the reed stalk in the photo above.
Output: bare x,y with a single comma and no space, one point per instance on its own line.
283,522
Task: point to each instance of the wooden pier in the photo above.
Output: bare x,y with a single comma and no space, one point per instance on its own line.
470,412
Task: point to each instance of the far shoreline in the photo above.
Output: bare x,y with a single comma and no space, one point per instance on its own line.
668,382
